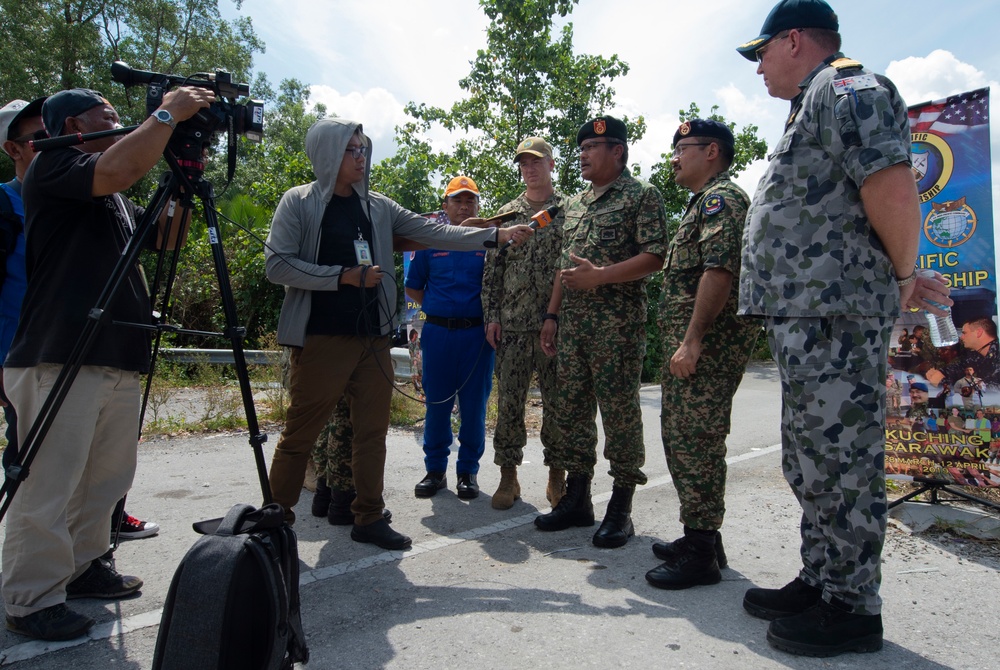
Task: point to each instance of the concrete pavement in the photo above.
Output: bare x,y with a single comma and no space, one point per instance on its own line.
484,589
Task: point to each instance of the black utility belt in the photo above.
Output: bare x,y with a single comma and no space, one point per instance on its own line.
457,323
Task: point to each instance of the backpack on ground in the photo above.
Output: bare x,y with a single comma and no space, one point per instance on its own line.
234,600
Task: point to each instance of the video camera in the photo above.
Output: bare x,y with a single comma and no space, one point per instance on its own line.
224,115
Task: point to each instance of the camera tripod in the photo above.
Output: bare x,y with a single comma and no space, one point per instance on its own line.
170,187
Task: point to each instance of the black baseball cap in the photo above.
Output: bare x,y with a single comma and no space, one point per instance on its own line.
67,104
789,14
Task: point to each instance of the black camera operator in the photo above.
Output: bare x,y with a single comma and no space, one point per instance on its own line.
77,226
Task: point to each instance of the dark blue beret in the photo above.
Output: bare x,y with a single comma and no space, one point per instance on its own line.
705,128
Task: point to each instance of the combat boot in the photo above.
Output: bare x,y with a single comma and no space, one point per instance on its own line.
556,488
617,526
340,509
509,490
694,562
668,551
574,509
321,499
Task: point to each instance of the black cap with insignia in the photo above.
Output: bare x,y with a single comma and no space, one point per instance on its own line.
705,128
602,126
787,15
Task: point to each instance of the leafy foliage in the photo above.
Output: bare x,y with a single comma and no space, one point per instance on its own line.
527,81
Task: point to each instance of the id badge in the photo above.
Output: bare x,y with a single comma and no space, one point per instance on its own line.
363,252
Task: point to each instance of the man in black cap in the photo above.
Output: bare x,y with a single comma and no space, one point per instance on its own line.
614,235
706,346
77,226
831,246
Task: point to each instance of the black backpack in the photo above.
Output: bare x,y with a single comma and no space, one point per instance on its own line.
233,603
10,227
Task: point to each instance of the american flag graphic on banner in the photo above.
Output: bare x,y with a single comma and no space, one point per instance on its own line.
955,114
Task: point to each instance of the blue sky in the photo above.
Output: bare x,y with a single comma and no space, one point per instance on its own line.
365,60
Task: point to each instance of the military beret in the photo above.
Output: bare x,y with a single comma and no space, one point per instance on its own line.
705,128
918,386
602,126
789,14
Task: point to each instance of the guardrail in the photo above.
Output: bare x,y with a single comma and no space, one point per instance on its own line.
400,358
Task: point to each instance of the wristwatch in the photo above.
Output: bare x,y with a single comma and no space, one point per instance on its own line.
165,117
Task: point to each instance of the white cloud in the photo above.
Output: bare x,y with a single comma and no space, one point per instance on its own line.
377,109
935,76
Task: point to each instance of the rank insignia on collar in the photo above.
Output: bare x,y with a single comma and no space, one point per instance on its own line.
600,126
714,204
685,129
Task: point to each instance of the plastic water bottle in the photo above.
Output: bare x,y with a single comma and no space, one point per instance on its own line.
943,331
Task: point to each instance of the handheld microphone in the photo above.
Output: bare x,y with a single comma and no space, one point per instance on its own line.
540,219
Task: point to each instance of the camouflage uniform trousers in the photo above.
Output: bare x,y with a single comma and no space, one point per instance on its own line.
694,423
520,354
600,364
332,452
833,373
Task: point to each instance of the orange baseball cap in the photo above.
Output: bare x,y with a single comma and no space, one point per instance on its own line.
461,184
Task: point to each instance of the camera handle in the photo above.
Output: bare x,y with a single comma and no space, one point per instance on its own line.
98,317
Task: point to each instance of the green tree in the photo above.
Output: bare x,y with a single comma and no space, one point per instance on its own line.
749,147
527,81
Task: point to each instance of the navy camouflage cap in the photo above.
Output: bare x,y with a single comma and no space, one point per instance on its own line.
602,126
705,128
789,14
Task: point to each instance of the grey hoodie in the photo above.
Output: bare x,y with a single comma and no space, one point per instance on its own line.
293,243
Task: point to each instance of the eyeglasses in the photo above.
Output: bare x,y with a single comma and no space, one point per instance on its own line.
590,146
679,149
357,152
759,53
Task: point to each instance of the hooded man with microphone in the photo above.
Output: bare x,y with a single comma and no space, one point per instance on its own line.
614,235
517,286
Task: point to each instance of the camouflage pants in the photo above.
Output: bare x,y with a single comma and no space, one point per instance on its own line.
519,354
833,447
599,363
694,423
332,452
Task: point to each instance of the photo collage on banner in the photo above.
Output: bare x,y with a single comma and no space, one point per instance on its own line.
943,402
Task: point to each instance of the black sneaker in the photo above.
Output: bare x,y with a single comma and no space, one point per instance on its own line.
52,623
102,581
827,629
132,528
791,599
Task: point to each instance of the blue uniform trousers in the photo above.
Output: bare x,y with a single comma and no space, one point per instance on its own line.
455,360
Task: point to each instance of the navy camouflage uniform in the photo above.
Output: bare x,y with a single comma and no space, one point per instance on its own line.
516,290
602,336
695,417
816,270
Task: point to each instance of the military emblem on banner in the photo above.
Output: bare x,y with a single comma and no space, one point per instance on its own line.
600,126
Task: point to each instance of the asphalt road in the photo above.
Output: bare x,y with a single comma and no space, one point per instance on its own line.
484,589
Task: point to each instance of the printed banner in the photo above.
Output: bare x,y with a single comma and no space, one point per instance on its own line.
943,418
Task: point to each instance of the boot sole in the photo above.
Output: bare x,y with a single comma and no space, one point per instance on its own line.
707,580
863,645
574,524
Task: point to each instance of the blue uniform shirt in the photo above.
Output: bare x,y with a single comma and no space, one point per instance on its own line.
451,280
